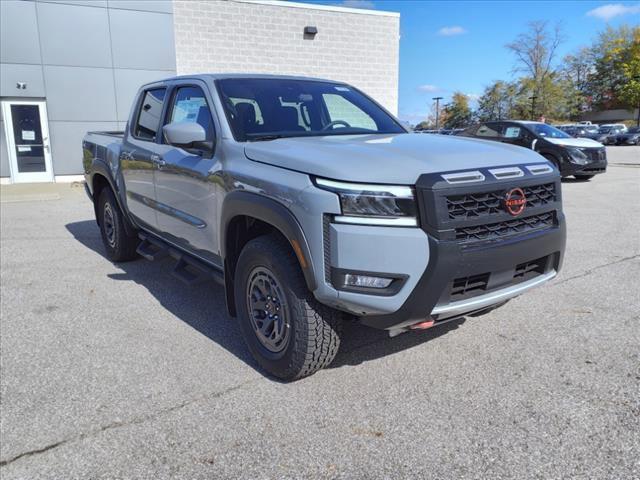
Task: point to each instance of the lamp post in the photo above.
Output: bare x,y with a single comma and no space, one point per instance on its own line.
533,106
437,99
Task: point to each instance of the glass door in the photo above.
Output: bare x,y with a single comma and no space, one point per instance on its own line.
27,133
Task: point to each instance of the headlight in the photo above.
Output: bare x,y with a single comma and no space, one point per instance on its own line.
362,204
578,156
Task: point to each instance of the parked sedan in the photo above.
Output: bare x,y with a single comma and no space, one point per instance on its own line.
607,134
581,157
632,137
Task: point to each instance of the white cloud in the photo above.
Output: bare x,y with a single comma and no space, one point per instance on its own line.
451,31
473,96
366,4
612,10
428,88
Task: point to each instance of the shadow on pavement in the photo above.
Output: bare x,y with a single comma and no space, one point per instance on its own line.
203,308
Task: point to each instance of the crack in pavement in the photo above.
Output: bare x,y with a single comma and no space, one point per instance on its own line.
594,269
134,421
151,416
559,282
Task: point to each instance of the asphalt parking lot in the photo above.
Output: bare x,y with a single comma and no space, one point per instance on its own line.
120,371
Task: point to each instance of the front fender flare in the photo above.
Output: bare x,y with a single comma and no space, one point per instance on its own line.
243,203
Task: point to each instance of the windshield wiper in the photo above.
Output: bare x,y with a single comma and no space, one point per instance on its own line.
262,138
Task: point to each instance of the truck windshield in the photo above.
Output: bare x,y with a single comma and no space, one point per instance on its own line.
265,109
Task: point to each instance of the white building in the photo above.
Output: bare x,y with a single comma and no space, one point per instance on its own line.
68,66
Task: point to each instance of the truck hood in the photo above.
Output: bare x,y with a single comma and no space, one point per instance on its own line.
394,159
574,142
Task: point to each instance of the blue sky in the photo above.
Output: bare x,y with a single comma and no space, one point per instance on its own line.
459,45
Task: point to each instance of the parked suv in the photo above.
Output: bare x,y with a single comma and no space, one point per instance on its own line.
312,205
581,157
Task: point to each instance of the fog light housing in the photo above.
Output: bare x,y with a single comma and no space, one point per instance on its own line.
366,281
370,283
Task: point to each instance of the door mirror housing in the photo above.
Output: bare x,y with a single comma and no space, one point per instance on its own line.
187,135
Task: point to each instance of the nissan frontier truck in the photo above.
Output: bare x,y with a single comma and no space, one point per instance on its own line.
312,205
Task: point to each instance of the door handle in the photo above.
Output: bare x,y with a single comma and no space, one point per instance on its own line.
157,160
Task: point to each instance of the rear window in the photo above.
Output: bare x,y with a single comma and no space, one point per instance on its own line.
148,121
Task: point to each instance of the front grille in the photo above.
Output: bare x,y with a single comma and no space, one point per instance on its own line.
595,154
468,287
465,287
474,205
525,271
508,227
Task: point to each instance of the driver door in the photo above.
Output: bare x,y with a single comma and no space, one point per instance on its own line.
187,180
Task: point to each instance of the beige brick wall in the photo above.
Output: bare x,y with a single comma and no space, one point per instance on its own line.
231,36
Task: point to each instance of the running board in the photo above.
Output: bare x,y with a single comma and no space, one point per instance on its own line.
188,269
150,249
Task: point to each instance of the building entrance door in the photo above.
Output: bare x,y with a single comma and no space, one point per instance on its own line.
27,132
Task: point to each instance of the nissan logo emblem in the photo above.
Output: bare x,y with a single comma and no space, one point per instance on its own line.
515,201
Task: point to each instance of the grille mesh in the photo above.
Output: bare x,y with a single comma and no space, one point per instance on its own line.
507,227
474,205
469,286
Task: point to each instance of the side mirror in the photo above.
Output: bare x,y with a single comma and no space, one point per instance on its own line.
185,134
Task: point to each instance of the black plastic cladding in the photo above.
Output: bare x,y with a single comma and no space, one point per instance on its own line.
451,259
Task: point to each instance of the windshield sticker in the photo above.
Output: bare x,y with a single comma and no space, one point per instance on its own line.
187,110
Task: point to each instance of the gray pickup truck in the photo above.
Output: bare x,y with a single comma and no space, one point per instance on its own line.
312,205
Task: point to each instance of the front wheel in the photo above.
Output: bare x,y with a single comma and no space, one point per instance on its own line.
289,333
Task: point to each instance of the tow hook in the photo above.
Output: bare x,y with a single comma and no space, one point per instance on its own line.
423,325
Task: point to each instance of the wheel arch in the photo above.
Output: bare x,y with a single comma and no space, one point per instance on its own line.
245,216
101,179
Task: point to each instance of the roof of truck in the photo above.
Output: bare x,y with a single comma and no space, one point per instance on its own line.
221,76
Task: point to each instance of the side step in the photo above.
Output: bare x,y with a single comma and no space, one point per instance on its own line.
151,249
188,269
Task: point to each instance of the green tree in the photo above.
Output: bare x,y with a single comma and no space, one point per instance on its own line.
457,114
575,74
535,51
613,68
629,90
496,102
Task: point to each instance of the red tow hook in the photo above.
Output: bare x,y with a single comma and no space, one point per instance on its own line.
422,325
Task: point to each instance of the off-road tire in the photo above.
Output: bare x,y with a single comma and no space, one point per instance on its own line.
119,246
586,178
314,329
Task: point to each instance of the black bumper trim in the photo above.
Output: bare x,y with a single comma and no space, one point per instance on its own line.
450,260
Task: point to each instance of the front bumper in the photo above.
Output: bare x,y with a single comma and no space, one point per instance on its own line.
498,264
593,168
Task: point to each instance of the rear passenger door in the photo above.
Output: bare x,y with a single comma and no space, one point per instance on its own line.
489,131
515,134
138,156
187,179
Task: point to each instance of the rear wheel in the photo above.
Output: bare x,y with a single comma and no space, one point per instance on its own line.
120,246
289,333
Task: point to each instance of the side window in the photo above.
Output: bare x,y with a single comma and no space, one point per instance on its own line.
513,131
341,109
148,120
489,131
190,105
